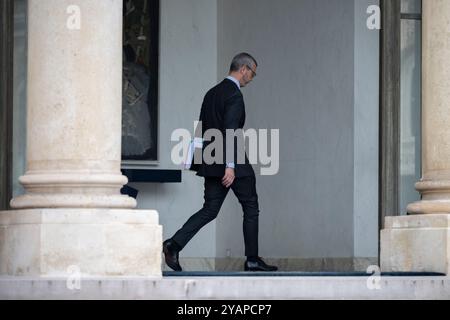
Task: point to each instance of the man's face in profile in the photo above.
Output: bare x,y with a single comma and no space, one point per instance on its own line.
249,73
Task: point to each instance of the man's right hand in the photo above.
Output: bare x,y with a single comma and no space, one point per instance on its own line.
229,177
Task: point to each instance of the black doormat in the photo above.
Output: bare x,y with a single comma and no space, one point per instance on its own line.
297,274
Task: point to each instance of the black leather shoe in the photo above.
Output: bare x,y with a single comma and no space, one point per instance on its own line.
171,253
259,265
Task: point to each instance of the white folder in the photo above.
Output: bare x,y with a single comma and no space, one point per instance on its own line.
196,143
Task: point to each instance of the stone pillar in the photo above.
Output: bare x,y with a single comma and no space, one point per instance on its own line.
73,216
74,106
419,242
435,184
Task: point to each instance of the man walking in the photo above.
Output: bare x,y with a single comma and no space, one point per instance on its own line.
223,109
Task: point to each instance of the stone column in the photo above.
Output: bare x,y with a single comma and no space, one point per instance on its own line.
419,242
435,183
74,106
73,218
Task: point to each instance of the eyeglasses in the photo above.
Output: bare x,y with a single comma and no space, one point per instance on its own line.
253,72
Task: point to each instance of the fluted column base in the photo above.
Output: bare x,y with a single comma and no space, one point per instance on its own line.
429,207
33,201
435,197
73,190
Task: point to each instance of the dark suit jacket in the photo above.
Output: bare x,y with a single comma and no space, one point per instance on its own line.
223,108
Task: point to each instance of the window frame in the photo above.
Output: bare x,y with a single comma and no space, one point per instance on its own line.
390,104
6,100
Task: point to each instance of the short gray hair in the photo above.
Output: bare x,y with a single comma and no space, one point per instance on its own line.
241,60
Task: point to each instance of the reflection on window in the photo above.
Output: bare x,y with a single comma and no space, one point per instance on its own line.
140,68
410,131
411,6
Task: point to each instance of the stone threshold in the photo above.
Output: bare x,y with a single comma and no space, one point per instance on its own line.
229,288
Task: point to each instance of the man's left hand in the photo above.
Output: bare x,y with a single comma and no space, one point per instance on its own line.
229,177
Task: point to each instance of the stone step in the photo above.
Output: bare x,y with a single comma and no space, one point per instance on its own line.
229,288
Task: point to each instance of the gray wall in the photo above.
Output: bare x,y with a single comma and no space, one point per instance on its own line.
318,84
305,87
366,133
188,68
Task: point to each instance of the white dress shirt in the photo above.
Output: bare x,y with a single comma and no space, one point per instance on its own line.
235,81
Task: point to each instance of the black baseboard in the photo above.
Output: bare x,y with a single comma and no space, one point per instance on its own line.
152,176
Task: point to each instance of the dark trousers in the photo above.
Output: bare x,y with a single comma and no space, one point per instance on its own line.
215,194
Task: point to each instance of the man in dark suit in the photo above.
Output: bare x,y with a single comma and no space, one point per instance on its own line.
223,109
